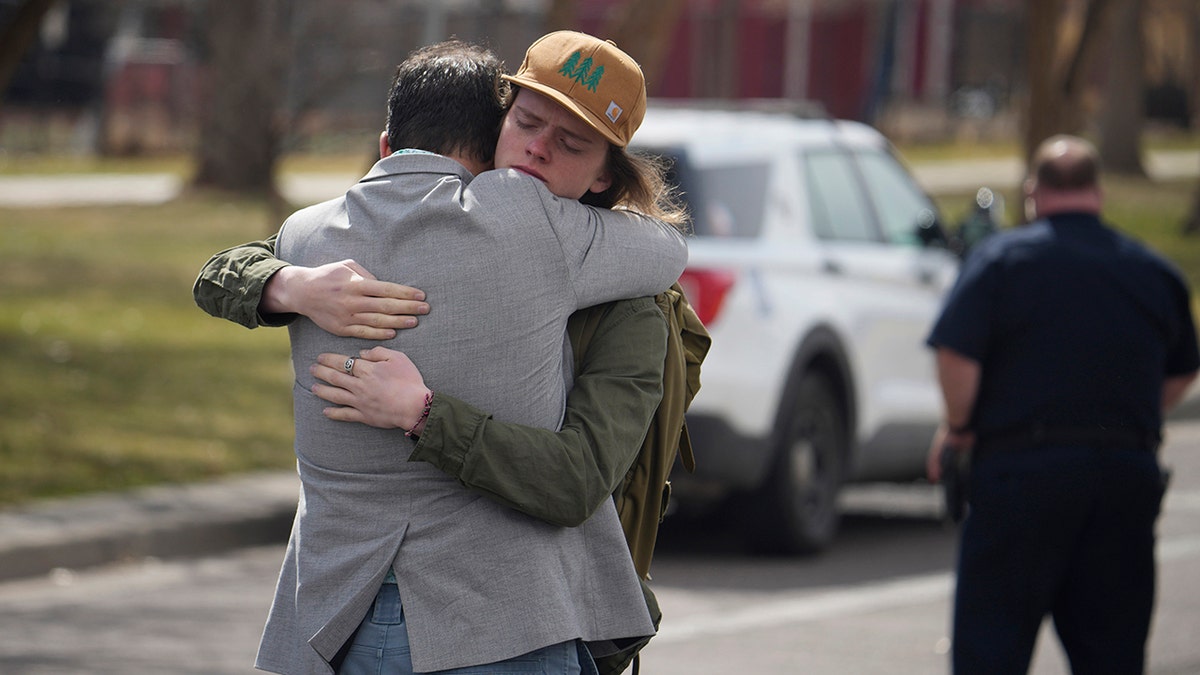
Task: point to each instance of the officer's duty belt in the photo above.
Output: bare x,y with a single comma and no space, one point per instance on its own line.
1090,437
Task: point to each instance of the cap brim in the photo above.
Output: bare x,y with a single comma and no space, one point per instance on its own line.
570,104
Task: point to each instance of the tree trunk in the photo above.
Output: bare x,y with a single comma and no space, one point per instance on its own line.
1192,224
242,126
16,36
1123,109
1041,120
644,31
1059,53
561,16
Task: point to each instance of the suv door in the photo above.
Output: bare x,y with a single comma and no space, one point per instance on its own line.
866,211
733,281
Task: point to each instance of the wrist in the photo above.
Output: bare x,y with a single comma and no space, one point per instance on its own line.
958,429
418,428
275,297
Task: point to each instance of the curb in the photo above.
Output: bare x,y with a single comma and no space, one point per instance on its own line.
180,521
160,521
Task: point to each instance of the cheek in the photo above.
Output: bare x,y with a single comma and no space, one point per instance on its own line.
597,172
508,146
504,154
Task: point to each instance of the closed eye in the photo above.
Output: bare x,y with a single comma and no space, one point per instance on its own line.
527,121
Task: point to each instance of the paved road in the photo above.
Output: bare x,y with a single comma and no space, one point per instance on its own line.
879,602
876,603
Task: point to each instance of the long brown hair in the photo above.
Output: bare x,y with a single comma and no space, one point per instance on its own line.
639,184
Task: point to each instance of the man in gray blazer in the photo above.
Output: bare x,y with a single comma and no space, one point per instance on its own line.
475,583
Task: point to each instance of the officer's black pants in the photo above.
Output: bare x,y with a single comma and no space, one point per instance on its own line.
1065,532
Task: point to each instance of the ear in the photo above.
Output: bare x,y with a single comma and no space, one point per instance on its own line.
384,149
602,183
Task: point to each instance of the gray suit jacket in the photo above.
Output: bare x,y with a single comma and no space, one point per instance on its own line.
504,263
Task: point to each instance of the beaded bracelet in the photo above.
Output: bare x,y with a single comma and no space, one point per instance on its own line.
424,415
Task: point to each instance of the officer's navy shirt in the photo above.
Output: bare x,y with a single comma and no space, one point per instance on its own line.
1074,324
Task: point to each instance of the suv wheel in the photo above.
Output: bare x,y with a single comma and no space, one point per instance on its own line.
797,506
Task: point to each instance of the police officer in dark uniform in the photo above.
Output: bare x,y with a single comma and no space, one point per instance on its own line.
1059,350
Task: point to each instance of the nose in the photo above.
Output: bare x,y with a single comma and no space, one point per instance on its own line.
539,145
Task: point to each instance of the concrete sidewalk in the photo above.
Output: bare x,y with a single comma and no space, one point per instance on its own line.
161,522
310,188
36,191
966,175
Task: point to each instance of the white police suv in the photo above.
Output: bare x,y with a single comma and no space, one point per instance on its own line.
818,266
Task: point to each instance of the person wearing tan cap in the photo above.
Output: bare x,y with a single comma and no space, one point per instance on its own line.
577,96
555,147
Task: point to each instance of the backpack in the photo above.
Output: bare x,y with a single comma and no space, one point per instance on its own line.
645,492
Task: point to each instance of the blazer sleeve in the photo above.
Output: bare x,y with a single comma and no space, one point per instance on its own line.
231,283
562,477
615,254
609,254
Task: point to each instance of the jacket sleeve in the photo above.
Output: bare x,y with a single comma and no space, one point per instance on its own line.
563,477
231,283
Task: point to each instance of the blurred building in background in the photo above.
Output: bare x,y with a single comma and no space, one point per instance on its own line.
129,76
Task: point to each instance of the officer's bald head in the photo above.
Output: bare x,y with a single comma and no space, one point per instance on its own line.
1064,177
1066,163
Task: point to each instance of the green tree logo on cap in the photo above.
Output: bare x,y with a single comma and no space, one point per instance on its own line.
582,72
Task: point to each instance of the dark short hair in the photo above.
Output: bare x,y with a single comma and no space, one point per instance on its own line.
448,98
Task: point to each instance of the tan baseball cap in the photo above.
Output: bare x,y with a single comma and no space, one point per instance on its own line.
601,84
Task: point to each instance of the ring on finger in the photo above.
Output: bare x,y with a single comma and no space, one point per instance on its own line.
348,366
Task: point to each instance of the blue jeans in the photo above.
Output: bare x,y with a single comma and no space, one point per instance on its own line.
380,647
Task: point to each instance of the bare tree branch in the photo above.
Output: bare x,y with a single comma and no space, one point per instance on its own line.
16,36
1094,22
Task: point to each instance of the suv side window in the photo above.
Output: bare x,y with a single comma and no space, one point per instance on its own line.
724,201
835,199
897,202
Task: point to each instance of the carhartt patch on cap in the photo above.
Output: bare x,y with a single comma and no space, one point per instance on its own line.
601,84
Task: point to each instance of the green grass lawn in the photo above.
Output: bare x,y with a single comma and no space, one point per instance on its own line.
113,378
